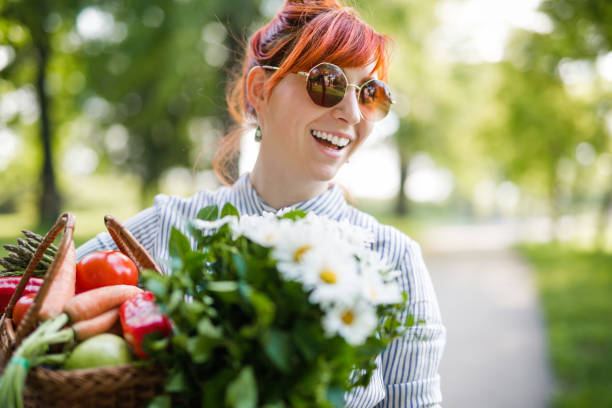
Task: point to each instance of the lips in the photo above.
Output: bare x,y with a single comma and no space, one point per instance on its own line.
330,140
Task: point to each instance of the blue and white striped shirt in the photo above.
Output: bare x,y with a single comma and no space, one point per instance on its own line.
407,374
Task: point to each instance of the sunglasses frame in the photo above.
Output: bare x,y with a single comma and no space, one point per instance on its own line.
356,86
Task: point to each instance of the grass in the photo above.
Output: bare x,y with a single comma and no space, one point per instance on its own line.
88,199
575,288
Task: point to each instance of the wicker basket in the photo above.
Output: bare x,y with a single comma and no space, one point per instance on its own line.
123,386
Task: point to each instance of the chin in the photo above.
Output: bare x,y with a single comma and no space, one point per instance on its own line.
324,173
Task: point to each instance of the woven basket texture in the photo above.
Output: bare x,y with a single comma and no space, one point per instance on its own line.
124,386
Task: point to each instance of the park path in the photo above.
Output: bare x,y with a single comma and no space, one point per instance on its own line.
496,347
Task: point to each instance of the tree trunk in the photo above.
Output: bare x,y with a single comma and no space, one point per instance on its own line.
402,205
50,200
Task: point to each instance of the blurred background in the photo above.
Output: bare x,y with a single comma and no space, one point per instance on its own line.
497,157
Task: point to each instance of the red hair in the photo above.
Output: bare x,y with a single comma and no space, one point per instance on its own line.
302,34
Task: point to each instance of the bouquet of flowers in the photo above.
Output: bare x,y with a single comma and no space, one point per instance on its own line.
273,311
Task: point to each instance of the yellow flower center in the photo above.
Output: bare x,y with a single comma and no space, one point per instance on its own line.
348,317
328,276
299,254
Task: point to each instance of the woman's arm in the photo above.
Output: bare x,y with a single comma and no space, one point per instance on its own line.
410,364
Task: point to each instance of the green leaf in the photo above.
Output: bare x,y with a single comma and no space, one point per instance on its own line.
335,395
177,298
175,382
276,404
192,311
293,215
223,286
153,343
213,388
242,392
178,244
180,340
410,321
278,347
240,264
200,348
156,283
206,328
264,307
210,213
161,401
229,209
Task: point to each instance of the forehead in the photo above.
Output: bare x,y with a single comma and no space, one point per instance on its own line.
359,73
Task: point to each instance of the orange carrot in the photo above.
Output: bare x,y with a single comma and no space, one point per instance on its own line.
61,289
92,303
96,325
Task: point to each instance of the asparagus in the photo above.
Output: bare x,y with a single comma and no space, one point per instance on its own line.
33,247
37,239
20,255
26,253
16,261
38,273
19,251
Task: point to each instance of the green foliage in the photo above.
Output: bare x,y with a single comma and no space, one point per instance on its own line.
582,28
158,76
541,121
235,316
574,287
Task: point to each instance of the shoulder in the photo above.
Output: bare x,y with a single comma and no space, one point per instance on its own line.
169,206
392,244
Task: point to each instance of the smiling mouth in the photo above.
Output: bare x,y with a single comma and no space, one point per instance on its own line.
330,141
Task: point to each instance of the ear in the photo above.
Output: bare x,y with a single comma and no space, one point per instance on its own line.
255,89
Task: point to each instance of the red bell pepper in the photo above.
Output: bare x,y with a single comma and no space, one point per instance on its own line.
8,284
139,317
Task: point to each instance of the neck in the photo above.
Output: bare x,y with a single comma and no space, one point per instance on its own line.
280,188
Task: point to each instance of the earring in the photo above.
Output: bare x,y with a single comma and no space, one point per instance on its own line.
258,134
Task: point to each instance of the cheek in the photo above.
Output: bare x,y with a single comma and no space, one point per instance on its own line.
289,104
364,128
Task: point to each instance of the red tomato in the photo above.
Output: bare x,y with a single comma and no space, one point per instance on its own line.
22,306
104,268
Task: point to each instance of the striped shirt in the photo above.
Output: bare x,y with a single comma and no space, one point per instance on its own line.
407,373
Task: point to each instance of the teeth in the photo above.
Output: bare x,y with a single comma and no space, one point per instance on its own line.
338,141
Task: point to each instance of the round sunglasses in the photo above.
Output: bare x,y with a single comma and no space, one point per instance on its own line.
327,83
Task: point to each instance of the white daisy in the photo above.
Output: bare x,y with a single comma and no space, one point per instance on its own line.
264,230
294,242
331,273
207,226
355,323
376,290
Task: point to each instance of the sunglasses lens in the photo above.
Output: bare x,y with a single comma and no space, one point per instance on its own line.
326,85
375,100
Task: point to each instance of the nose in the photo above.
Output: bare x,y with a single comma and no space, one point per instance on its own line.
348,108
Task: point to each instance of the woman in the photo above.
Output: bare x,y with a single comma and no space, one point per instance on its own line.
312,81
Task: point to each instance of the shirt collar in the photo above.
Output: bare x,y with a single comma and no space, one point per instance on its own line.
330,204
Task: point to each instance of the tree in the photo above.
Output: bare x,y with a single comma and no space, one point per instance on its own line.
151,79
541,122
31,65
420,100
175,59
